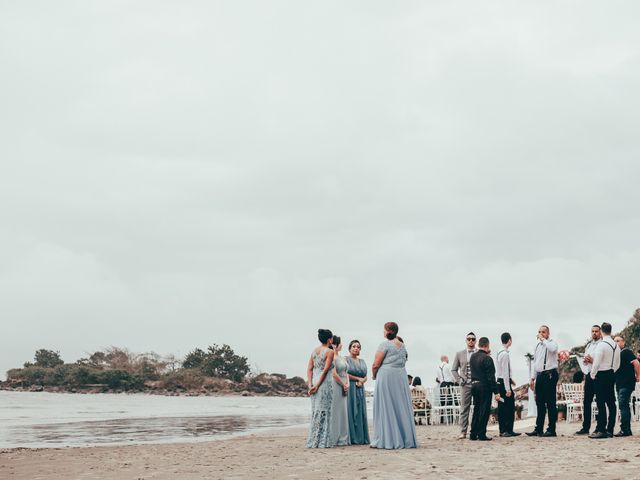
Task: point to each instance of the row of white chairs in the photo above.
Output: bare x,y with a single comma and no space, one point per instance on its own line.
437,405
573,394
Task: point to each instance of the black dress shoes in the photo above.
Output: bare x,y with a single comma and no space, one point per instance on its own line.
473,437
623,434
484,439
582,431
510,434
535,433
515,434
549,434
598,435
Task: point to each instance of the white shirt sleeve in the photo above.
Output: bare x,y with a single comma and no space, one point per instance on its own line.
597,359
552,347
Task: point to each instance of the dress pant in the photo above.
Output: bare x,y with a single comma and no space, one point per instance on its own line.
481,409
546,399
506,409
465,406
624,398
606,400
589,393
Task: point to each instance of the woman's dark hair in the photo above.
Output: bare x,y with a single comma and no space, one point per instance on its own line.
336,341
352,342
324,335
417,382
392,330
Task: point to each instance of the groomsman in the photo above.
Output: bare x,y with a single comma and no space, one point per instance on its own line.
461,370
444,376
589,384
626,377
506,408
606,361
544,381
483,384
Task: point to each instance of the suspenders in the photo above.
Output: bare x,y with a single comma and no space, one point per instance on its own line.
546,352
613,354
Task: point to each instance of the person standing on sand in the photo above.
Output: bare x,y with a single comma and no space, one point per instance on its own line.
606,360
356,400
339,426
393,425
320,391
589,384
506,408
444,377
544,381
461,370
626,377
483,383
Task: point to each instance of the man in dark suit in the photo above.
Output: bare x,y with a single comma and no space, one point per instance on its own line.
483,384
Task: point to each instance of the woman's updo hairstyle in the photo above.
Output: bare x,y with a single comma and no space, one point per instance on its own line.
354,341
324,335
336,341
392,330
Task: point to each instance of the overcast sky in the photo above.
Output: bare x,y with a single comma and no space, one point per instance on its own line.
176,174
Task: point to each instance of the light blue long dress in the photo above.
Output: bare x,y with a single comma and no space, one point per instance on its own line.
393,425
319,430
339,418
357,403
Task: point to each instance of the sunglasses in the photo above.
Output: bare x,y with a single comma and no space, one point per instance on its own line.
470,339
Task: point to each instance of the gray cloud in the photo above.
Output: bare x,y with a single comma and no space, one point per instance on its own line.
177,175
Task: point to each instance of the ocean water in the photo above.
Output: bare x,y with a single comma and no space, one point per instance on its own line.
40,420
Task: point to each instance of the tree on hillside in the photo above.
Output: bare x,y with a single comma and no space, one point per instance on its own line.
46,359
218,361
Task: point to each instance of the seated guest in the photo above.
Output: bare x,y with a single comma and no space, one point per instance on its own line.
420,402
357,402
392,410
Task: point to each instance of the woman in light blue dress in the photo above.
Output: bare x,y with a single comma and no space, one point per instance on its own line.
356,400
393,425
320,391
339,430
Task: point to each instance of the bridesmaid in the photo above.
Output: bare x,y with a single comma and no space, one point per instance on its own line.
357,370
320,391
392,410
339,429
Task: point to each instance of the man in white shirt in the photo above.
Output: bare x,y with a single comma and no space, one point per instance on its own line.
506,407
606,360
544,379
589,384
445,381
444,377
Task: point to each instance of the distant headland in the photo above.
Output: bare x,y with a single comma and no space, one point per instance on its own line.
218,370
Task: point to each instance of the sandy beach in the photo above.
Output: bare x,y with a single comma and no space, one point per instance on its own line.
281,454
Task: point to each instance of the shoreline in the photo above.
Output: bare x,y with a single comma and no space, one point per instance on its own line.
282,453
163,393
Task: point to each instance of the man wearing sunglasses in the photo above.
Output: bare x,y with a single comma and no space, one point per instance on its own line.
461,369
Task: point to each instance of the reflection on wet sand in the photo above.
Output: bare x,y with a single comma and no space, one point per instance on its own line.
144,430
